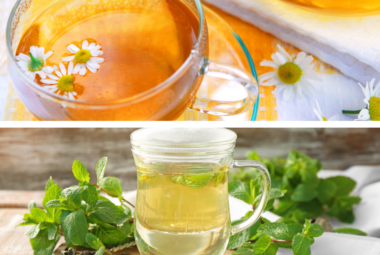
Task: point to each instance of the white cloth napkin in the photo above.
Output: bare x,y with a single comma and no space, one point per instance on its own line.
351,44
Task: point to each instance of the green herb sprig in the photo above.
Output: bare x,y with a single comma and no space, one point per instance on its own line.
300,197
86,219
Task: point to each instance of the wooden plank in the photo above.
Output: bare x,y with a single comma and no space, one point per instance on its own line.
29,156
13,240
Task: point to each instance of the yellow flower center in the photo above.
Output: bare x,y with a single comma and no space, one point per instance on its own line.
66,83
82,56
289,73
324,118
374,108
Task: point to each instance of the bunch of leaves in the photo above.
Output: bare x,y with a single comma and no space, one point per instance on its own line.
307,196
85,218
265,237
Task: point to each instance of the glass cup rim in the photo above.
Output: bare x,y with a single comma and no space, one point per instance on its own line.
141,96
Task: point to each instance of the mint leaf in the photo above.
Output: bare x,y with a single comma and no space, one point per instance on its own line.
56,204
313,230
49,183
42,245
28,220
262,245
351,231
193,181
75,227
39,215
280,231
220,178
101,168
243,251
344,185
309,175
326,191
301,245
33,231
93,241
89,194
126,209
240,190
100,251
238,240
309,210
107,211
127,228
273,194
109,235
52,231
54,192
80,172
73,196
32,204
304,193
253,155
112,185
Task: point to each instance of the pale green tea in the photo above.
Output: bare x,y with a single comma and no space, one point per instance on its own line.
183,209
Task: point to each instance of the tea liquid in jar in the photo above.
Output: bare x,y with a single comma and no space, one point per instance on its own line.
182,209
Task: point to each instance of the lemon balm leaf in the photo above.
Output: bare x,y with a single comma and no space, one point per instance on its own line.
111,185
101,168
80,172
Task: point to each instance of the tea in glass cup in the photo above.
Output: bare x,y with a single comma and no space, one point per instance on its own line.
115,60
182,195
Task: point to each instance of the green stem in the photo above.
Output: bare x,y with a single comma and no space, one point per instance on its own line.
351,112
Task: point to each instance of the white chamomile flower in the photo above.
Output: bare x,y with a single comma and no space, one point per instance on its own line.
35,62
62,82
320,116
372,99
290,76
88,57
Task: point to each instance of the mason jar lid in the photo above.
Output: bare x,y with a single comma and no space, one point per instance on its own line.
183,140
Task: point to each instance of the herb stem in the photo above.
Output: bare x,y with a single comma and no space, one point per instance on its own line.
351,112
113,195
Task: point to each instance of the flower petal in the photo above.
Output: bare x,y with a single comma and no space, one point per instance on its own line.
34,52
284,52
300,57
23,57
82,70
278,59
76,68
70,68
319,116
62,68
48,81
23,65
41,52
73,48
267,76
69,58
85,44
269,63
92,46
93,70
48,55
273,81
48,69
97,59
52,76
93,64
41,74
288,93
364,115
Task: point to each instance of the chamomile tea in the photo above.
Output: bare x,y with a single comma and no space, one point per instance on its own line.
182,209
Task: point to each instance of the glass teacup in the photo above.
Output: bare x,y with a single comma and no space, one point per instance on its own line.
166,101
182,195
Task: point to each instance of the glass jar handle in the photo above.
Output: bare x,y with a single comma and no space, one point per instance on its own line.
227,72
264,198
